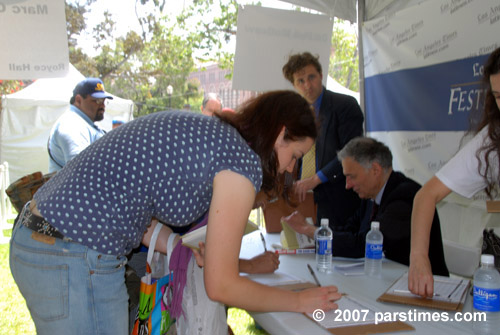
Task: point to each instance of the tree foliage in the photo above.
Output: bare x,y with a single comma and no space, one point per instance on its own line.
139,65
344,56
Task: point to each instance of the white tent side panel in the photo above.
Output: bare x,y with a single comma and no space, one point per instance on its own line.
25,130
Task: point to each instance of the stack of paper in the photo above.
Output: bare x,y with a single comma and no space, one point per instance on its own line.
449,293
351,269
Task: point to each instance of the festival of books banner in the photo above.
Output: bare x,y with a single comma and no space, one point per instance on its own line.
423,71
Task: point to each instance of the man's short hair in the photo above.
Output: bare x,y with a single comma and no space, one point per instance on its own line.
211,96
298,62
365,151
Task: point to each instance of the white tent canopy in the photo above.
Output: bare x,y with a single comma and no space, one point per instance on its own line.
346,9
335,86
28,115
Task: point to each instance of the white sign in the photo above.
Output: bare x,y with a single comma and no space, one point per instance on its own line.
33,39
267,37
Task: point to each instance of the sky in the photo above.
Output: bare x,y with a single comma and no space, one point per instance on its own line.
123,13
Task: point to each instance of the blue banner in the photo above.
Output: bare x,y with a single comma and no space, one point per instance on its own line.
435,98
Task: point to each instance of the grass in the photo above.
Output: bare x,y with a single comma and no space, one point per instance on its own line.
242,323
16,319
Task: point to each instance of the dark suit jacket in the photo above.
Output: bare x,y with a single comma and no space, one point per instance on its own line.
394,215
341,120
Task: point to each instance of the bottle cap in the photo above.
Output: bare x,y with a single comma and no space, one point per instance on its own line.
487,259
375,225
324,222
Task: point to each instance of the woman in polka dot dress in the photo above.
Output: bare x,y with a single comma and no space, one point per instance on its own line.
67,256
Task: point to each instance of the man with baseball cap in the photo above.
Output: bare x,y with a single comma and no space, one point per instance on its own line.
75,129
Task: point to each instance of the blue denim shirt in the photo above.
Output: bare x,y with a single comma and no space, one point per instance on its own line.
73,132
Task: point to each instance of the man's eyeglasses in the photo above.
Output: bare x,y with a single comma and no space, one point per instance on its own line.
100,101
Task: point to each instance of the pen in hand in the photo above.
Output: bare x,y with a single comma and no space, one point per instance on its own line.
263,241
313,274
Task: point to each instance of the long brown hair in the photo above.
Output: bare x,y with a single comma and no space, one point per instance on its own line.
491,119
260,120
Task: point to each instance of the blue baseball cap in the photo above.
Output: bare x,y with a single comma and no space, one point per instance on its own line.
93,87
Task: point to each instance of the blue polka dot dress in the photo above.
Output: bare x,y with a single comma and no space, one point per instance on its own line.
160,165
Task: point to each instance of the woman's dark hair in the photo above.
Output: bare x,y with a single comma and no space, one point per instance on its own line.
491,119
261,119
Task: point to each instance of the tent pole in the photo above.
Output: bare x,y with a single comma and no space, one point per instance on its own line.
361,63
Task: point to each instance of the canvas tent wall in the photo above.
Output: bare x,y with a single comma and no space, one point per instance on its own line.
28,115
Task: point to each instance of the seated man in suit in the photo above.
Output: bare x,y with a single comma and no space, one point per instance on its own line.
387,197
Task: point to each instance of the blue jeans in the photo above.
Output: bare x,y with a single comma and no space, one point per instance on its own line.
69,288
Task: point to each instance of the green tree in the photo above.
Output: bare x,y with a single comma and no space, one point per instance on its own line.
213,31
166,60
75,24
137,66
344,56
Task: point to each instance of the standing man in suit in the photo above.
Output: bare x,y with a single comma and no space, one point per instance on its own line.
340,119
387,197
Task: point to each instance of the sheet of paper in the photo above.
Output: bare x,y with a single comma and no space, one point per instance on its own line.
274,279
445,288
351,269
350,312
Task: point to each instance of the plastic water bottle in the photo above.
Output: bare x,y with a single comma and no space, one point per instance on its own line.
373,250
323,237
487,296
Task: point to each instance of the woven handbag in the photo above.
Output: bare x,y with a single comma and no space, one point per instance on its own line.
22,190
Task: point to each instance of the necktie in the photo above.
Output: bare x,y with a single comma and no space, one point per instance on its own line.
309,163
374,211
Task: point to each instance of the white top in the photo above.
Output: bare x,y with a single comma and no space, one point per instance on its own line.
461,173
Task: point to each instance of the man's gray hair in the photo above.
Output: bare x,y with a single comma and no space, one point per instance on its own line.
211,96
365,151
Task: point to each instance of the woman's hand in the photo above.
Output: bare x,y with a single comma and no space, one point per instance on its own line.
199,255
420,280
266,262
319,298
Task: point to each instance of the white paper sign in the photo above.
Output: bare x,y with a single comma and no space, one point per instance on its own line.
33,39
265,39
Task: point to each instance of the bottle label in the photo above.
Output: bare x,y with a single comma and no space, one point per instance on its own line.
373,251
486,299
324,247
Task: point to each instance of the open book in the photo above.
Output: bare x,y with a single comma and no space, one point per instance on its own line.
193,238
290,239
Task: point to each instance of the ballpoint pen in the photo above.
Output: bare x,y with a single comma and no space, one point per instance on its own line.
313,274
263,241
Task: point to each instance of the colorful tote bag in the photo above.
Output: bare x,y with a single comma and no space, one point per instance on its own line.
153,317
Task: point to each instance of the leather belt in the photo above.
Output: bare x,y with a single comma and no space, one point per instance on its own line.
39,224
